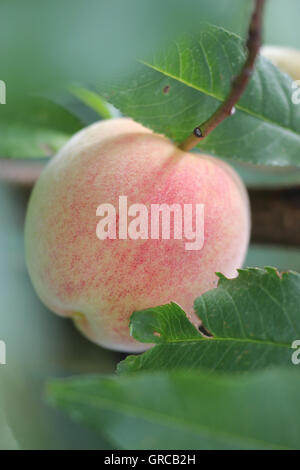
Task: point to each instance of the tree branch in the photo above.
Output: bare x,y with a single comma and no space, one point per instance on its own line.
275,216
240,83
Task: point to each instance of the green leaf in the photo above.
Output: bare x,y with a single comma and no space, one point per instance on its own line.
181,86
187,411
92,100
253,320
34,127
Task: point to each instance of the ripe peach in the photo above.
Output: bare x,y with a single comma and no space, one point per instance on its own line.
99,283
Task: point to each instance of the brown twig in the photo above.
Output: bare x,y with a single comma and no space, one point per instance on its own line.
240,83
275,216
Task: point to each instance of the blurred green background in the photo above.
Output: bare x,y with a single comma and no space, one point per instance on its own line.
43,46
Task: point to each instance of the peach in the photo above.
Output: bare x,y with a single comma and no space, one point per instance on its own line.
99,283
286,59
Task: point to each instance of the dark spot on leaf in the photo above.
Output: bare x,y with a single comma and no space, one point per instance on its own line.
204,331
166,89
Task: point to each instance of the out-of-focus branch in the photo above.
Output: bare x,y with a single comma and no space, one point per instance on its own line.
276,216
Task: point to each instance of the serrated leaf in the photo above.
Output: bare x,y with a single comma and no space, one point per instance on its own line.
253,320
187,411
35,127
181,86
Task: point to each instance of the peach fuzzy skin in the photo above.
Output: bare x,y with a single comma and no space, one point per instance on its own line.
100,283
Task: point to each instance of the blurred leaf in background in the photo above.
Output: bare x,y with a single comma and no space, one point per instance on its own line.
91,99
34,127
38,126
187,410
